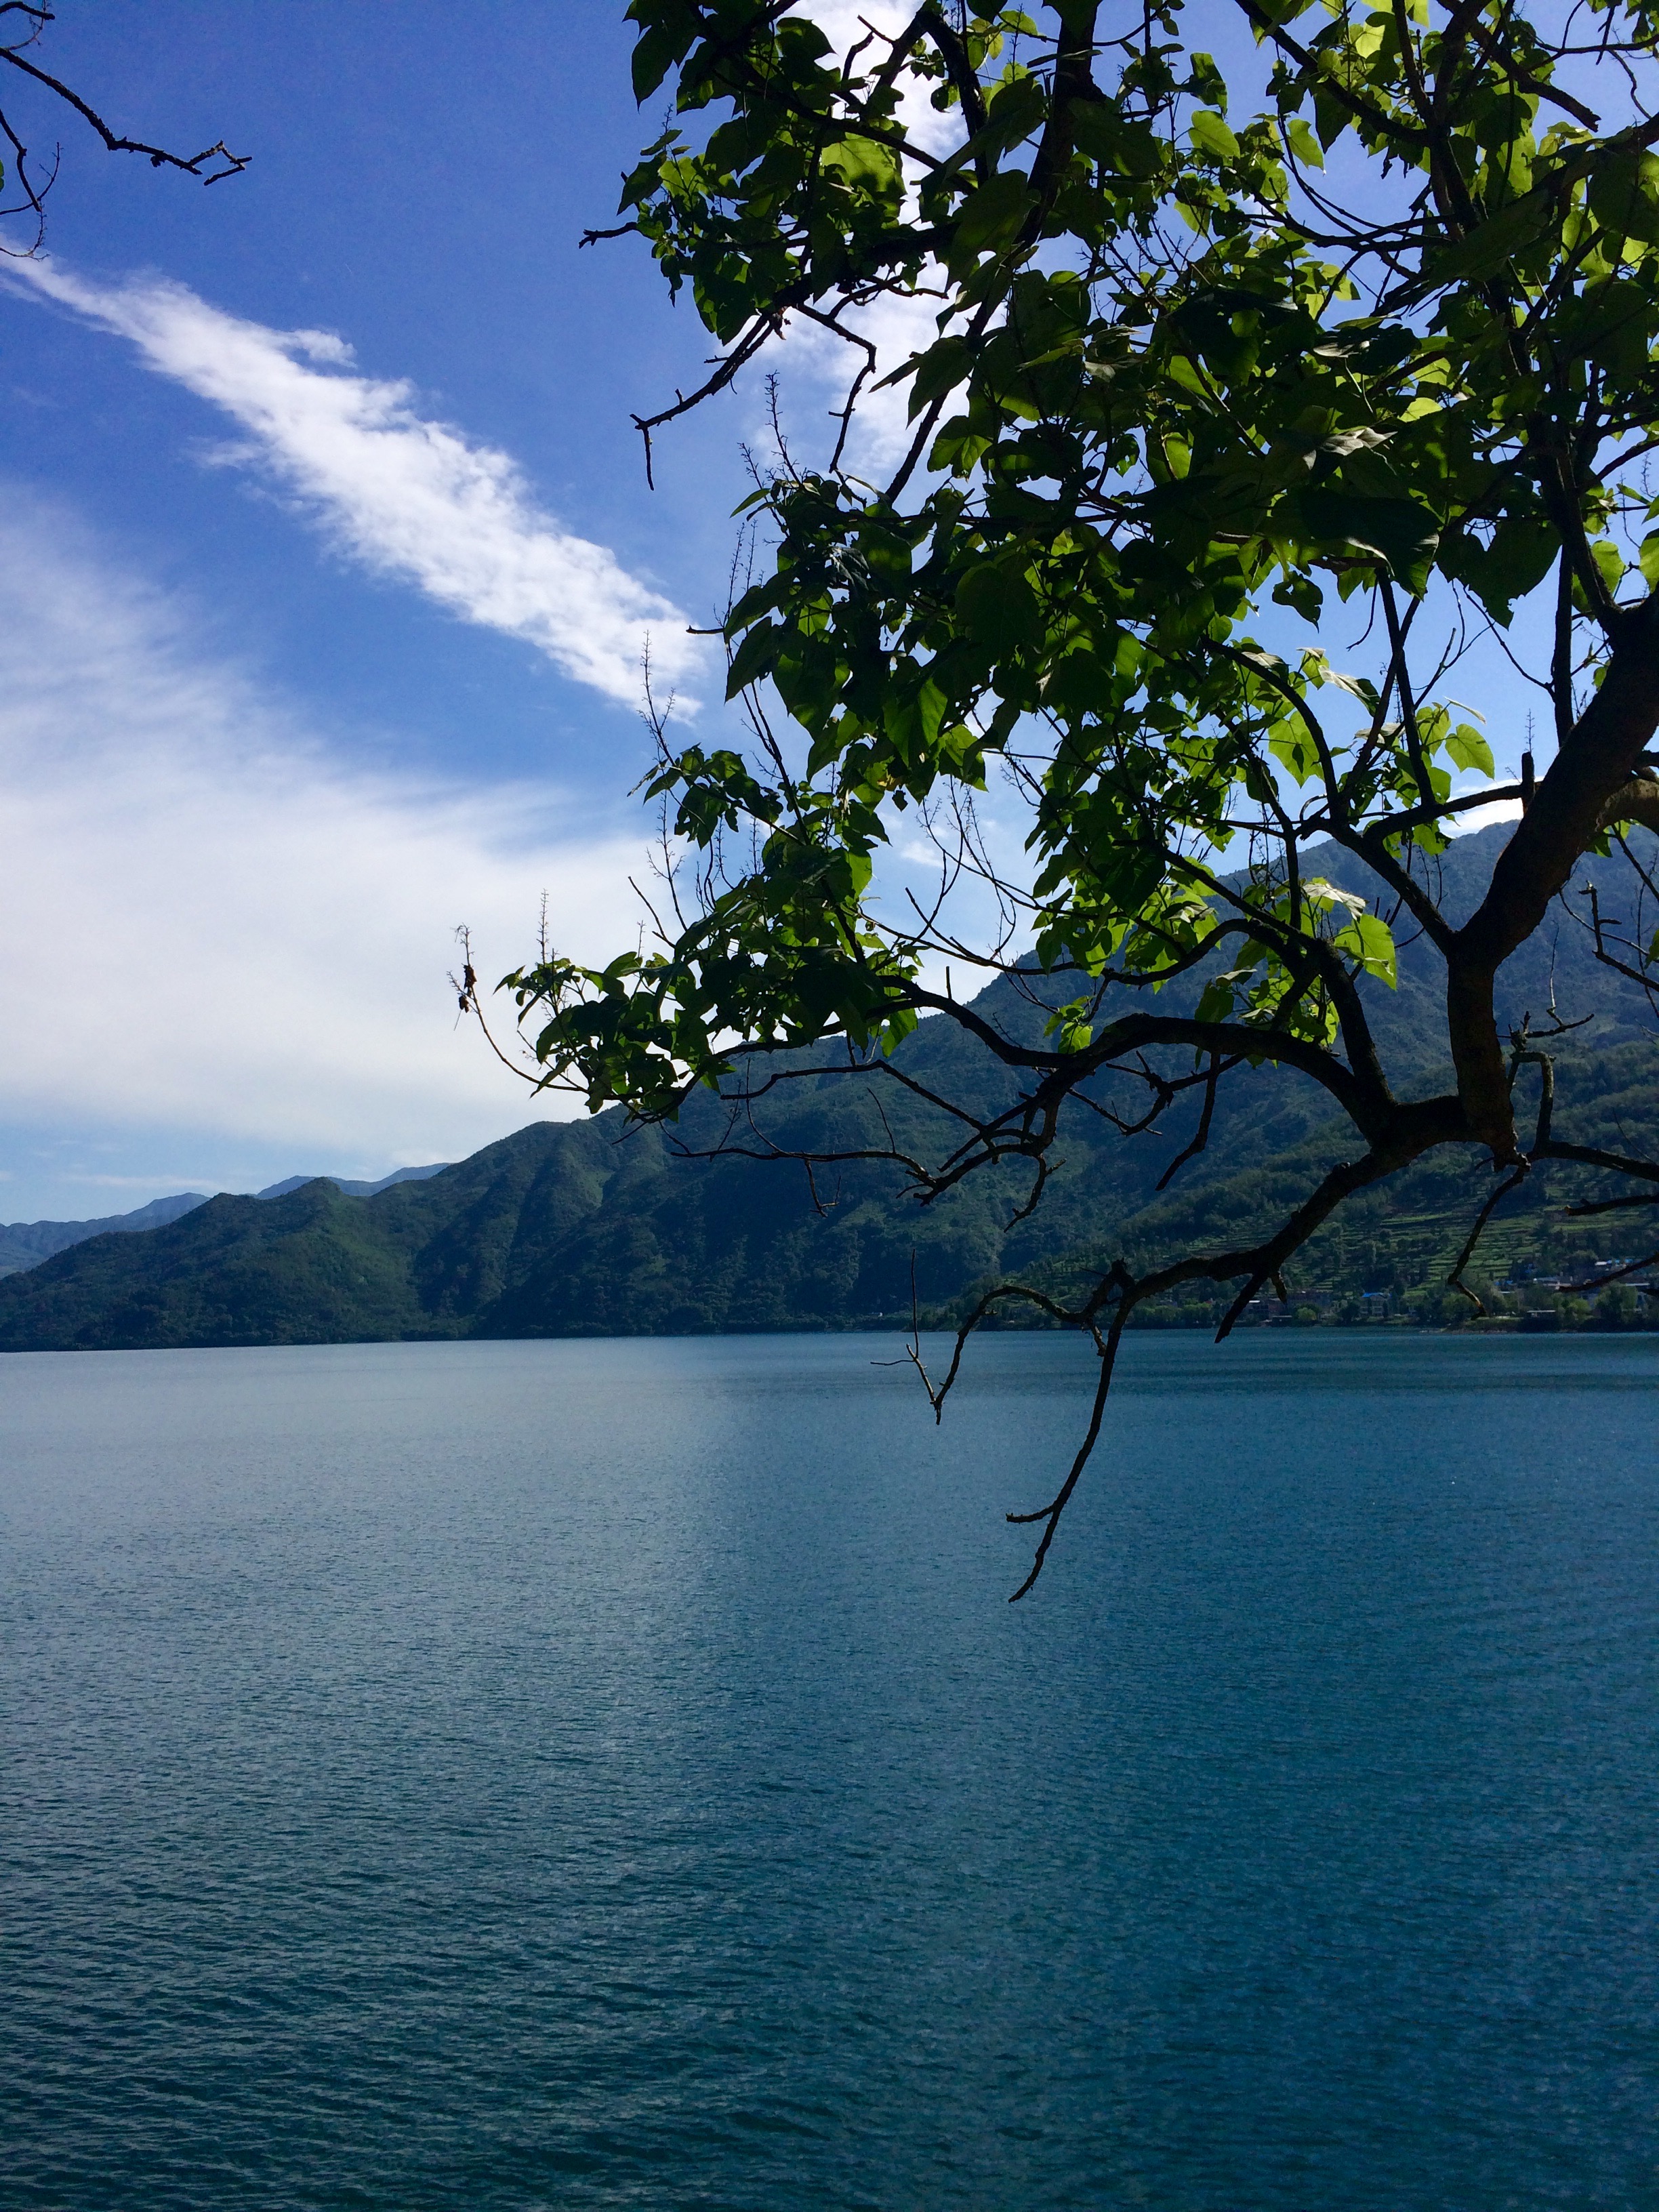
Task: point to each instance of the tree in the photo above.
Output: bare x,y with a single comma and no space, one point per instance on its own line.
212,165
1197,364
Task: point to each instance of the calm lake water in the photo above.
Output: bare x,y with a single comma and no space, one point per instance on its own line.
608,1774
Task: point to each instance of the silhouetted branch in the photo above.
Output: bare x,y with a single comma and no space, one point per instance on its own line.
217,161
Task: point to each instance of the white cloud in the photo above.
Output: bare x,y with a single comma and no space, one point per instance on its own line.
405,496
1482,817
213,926
816,367
849,23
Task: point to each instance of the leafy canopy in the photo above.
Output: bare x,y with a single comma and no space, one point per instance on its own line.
1195,365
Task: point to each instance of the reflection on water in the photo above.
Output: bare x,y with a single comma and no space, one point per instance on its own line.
608,1774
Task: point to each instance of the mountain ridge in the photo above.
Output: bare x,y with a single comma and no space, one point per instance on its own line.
599,1227
25,1244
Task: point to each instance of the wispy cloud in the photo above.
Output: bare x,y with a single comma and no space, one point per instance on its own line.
404,495
216,928
1482,817
817,367
849,23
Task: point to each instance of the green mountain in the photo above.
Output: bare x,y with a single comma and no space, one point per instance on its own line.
353,1189
26,1243
596,1228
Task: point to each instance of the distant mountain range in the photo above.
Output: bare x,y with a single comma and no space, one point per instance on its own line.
26,1243
598,1228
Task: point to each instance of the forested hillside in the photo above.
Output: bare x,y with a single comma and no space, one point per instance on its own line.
598,1228
26,1243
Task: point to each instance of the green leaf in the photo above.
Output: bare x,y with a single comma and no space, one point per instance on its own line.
1520,556
913,722
1469,750
671,26
1017,110
1490,246
1610,561
1101,130
1302,143
1402,533
1370,942
1624,194
940,370
1289,743
999,609
755,657
1079,686
867,167
1210,134
991,216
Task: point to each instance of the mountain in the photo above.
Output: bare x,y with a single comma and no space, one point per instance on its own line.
26,1243
600,1228
352,1189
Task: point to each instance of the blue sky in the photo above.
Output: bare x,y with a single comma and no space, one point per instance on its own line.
303,670
327,555
419,192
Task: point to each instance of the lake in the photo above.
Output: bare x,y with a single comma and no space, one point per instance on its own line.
601,1774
